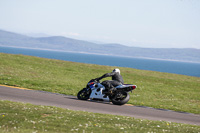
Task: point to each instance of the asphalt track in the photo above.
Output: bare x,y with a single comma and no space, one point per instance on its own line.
71,102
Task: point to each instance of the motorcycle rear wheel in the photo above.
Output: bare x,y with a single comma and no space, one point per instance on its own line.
84,94
120,98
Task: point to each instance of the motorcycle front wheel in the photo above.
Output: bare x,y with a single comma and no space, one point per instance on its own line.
84,94
120,98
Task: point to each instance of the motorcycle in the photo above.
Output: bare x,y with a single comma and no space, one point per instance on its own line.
96,91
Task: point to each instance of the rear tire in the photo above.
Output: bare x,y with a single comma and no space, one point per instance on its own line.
84,94
120,98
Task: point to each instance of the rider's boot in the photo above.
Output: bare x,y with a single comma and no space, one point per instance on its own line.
109,91
112,90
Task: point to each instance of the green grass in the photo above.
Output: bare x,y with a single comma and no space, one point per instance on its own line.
155,89
20,117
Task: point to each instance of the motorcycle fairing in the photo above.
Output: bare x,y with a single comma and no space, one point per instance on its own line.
97,93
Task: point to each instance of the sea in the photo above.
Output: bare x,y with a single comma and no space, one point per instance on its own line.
176,67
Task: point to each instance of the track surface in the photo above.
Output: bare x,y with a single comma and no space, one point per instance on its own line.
71,102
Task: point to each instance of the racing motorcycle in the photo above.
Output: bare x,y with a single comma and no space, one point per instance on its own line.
96,91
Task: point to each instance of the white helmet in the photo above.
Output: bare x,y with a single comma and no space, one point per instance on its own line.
116,70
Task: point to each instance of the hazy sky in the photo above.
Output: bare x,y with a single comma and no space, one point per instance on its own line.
142,23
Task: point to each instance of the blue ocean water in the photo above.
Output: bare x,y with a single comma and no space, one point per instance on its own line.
184,68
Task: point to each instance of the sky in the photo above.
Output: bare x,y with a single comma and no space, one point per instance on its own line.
137,23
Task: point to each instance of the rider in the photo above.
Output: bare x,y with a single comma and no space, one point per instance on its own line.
111,84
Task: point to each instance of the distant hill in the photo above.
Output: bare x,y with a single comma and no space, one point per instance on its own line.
69,44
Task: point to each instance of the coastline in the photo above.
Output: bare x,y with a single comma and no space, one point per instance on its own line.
167,66
82,52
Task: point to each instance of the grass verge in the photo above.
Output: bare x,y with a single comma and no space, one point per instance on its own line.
20,117
155,89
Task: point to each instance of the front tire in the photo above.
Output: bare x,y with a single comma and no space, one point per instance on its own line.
84,94
120,98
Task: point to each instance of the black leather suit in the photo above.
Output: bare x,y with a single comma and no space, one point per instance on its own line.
116,80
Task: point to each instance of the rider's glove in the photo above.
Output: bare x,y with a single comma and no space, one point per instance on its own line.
97,79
